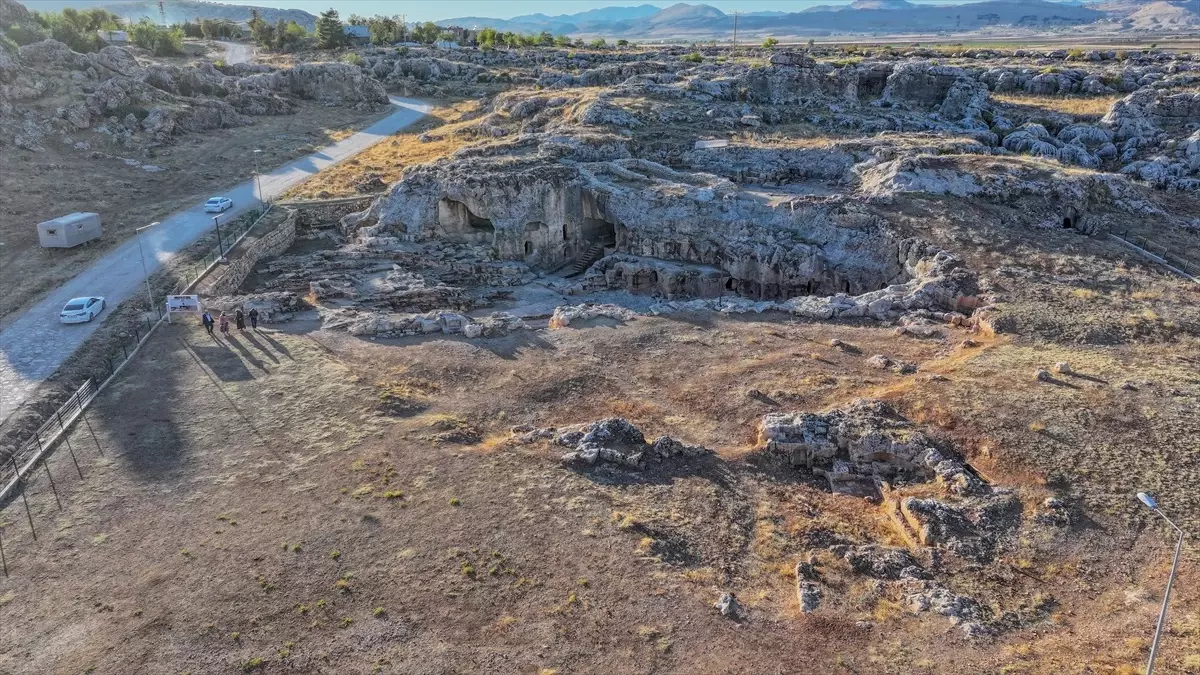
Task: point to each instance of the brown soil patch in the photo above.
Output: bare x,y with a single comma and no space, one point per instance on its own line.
267,502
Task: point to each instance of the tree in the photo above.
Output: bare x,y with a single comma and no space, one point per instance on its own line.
426,33
546,38
383,30
288,36
622,43
356,20
598,43
513,40
562,41
158,40
330,34
264,34
770,43
487,38
811,42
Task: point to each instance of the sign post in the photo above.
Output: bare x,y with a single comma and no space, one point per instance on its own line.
182,304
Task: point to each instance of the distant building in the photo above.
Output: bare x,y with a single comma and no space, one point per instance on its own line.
357,35
114,37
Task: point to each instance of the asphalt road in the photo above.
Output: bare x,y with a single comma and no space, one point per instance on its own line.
237,52
33,346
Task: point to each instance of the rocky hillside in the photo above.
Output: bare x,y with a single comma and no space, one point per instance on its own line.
180,10
48,93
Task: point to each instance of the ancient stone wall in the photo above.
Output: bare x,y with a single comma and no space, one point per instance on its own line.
326,212
269,245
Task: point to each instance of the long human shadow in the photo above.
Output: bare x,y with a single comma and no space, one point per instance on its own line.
276,344
258,345
254,360
222,362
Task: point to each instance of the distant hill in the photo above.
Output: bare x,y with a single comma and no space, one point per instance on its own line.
179,10
697,21
601,14
1163,15
881,4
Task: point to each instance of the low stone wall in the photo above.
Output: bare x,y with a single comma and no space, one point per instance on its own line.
269,245
325,212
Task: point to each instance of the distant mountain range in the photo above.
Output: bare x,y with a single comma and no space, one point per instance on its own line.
861,16
700,22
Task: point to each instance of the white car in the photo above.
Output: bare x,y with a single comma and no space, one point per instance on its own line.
81,310
218,205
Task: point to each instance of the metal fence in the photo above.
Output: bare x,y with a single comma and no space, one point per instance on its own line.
21,466
1164,254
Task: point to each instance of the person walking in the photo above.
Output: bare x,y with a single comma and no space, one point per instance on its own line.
207,319
224,325
253,319
240,319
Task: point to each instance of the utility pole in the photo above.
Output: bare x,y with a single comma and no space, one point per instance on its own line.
1162,615
735,17
162,12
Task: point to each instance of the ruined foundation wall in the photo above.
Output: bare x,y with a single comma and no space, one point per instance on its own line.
269,245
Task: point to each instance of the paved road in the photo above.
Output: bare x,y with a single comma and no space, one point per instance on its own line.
237,52
36,344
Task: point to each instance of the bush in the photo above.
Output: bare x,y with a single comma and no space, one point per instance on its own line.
156,39
26,35
353,59
694,57
770,43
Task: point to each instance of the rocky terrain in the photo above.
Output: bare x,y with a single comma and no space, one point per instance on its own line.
713,361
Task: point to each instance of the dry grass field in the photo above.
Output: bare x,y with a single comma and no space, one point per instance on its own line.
299,501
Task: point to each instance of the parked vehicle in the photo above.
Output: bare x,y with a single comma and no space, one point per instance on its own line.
218,205
81,310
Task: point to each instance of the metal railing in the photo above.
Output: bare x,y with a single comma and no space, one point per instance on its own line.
21,465
1160,254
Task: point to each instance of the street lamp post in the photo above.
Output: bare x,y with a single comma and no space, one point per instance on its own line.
142,255
258,181
1162,615
220,246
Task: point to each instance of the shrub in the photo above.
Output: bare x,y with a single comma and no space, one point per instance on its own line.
694,57
770,43
353,59
25,35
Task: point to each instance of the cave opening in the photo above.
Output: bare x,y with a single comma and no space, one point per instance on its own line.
596,230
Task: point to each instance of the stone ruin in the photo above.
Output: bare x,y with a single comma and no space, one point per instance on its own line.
614,441
867,449
862,446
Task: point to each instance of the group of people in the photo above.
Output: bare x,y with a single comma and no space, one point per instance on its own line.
223,320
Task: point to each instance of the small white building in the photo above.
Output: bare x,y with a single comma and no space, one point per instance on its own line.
70,230
114,37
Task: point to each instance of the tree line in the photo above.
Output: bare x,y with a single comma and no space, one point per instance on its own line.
388,30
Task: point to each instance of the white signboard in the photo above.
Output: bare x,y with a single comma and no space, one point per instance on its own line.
186,304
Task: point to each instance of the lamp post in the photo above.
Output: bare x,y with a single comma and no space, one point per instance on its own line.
142,255
1162,615
258,181
220,246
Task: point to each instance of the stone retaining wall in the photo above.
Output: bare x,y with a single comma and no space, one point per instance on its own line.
271,244
326,212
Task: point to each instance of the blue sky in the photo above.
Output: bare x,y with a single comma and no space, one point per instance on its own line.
423,10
